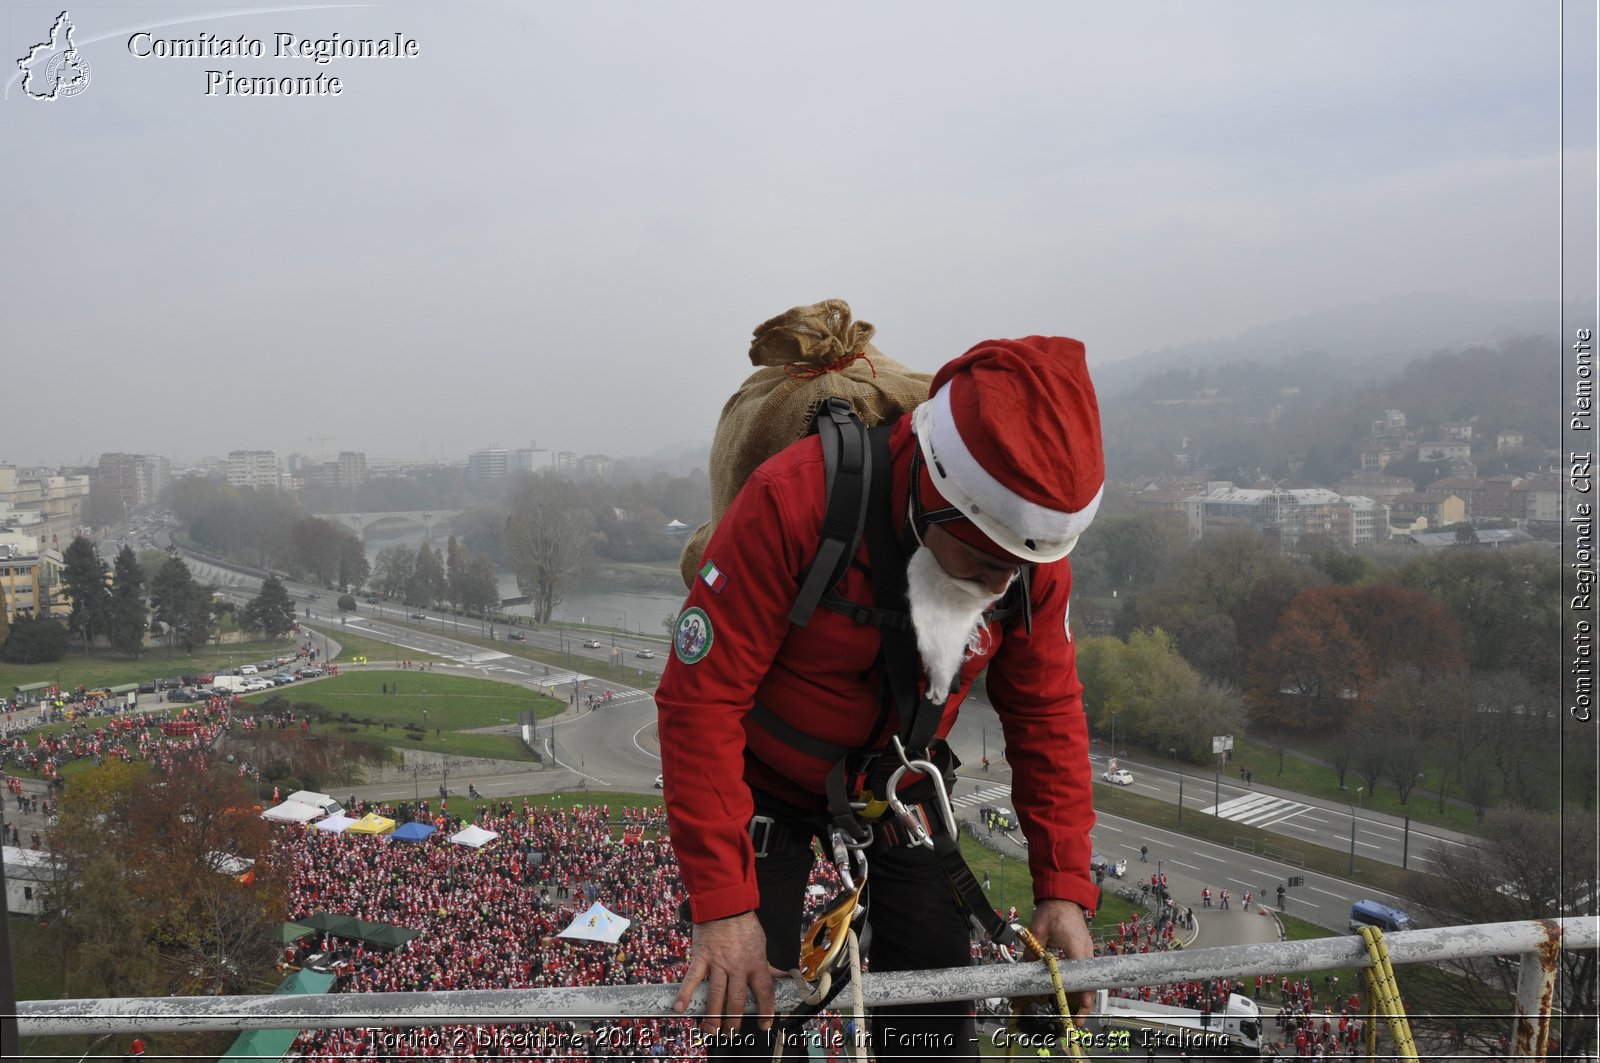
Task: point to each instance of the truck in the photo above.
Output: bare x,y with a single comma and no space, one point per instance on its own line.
1234,1030
231,684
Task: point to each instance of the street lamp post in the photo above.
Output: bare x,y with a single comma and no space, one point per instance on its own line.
1179,763
1352,869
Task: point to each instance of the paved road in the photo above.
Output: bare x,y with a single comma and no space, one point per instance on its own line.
614,748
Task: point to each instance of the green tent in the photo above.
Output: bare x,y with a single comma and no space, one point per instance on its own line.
274,1044
345,926
291,932
386,934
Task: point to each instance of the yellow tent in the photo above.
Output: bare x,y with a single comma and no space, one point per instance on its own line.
372,823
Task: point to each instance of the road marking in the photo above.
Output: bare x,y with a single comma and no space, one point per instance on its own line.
1328,893
1109,827
979,797
1180,863
1302,900
1255,809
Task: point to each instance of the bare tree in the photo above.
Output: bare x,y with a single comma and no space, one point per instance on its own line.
1528,865
549,538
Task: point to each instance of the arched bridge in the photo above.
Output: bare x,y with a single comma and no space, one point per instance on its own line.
363,523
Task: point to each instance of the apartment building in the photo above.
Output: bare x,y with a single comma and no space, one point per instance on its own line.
254,468
1289,514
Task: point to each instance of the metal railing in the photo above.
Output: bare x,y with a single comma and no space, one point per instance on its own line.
1538,944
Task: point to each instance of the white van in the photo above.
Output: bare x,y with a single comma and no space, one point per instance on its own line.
248,669
316,800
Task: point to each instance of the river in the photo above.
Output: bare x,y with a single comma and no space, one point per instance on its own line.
596,600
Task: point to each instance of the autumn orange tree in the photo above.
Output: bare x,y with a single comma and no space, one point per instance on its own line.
163,887
1313,667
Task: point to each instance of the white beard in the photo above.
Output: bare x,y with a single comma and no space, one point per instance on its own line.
947,615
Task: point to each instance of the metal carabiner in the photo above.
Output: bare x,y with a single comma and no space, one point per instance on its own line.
846,850
822,945
913,825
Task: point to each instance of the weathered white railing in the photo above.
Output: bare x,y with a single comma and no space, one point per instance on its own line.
1539,945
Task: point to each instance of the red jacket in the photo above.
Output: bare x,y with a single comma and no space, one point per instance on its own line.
821,679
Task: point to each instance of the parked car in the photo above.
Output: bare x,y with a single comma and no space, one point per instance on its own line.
258,684
308,673
516,636
372,599
248,669
185,695
647,654
168,684
418,616
147,687
591,644
281,678
1120,776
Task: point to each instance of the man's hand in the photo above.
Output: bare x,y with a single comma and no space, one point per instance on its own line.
730,956
1063,925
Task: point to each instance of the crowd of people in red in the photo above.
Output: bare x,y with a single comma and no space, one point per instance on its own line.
490,919
129,736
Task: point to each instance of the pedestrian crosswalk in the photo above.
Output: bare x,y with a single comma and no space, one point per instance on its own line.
989,795
1259,810
480,658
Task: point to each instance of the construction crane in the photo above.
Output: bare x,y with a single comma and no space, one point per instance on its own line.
322,444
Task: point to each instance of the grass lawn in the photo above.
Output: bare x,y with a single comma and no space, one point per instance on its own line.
1320,780
450,706
353,645
106,669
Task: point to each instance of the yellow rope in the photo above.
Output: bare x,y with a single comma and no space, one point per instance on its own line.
1074,1044
1386,997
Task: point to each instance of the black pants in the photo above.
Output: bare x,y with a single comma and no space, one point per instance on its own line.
915,926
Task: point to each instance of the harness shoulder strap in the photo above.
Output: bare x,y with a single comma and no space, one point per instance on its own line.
847,464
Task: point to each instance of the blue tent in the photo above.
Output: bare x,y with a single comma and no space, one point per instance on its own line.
412,832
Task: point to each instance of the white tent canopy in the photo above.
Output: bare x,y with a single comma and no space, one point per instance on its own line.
474,836
337,824
292,812
596,924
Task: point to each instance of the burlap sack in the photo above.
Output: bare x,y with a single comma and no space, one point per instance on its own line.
809,355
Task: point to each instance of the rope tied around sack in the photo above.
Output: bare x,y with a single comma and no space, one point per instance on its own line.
807,371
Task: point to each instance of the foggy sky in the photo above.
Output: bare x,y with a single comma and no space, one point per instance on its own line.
560,222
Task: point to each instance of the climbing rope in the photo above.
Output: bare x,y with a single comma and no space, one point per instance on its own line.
1385,1000
1061,1020
815,994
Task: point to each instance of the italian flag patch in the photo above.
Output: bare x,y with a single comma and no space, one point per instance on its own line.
713,577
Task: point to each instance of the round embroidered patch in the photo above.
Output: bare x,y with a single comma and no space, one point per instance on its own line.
692,640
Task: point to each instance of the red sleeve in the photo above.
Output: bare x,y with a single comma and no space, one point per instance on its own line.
701,702
1033,683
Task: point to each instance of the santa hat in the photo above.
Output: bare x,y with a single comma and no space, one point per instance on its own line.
1010,442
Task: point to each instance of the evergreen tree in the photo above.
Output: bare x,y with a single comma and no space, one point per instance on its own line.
126,616
456,565
181,605
428,582
271,611
354,569
35,640
83,576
